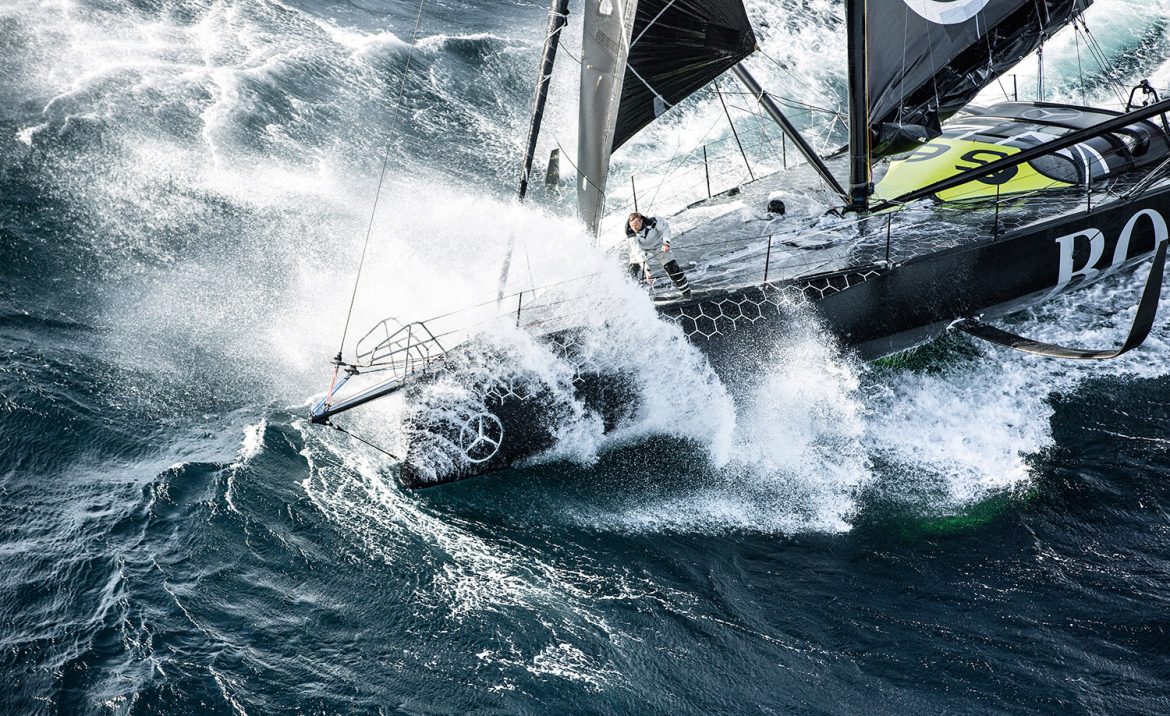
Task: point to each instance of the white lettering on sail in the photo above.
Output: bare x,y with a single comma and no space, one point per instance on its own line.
947,12
1089,271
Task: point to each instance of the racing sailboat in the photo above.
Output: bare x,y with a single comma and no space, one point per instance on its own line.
970,219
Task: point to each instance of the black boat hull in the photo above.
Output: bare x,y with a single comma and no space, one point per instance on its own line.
880,310
875,310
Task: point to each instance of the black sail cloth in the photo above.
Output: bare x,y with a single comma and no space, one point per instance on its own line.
678,47
928,58
639,59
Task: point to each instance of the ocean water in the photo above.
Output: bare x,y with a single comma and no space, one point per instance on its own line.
184,191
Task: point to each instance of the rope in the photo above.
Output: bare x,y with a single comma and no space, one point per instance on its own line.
791,102
1080,69
381,178
385,452
1098,53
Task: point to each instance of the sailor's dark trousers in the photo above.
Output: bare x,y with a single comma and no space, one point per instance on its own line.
676,274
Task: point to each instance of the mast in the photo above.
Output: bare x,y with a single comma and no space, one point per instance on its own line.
859,170
774,112
558,16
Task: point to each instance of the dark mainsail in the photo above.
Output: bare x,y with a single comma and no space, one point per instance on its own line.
929,58
678,46
639,59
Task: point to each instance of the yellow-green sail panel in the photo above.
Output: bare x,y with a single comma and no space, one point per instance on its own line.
944,157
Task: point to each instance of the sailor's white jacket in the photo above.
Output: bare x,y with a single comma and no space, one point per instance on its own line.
647,242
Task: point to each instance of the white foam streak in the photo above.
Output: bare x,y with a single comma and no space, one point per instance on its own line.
264,307
360,42
967,435
470,574
253,442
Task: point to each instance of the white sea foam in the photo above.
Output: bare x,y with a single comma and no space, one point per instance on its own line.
472,570
796,462
253,442
964,434
793,452
569,662
360,41
971,430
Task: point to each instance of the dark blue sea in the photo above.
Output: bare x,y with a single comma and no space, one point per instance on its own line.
185,188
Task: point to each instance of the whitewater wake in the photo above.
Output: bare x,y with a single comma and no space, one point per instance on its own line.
223,156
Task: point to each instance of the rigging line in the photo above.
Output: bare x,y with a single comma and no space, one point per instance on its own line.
991,63
668,165
385,452
1040,72
381,178
574,165
1036,7
755,112
1080,69
790,104
1102,60
999,81
785,100
733,132
672,167
793,104
1098,54
574,58
933,65
828,132
528,263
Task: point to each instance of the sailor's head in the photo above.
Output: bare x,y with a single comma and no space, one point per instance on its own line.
635,221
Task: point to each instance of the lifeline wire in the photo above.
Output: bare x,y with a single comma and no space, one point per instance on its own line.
381,177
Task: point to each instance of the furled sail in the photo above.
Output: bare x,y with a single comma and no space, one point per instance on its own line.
639,59
928,58
604,43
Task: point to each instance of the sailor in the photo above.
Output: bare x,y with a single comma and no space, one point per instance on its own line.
646,235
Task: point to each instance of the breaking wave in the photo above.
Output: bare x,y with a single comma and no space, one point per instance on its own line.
222,154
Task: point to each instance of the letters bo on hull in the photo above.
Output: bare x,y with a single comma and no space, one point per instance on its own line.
1081,253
